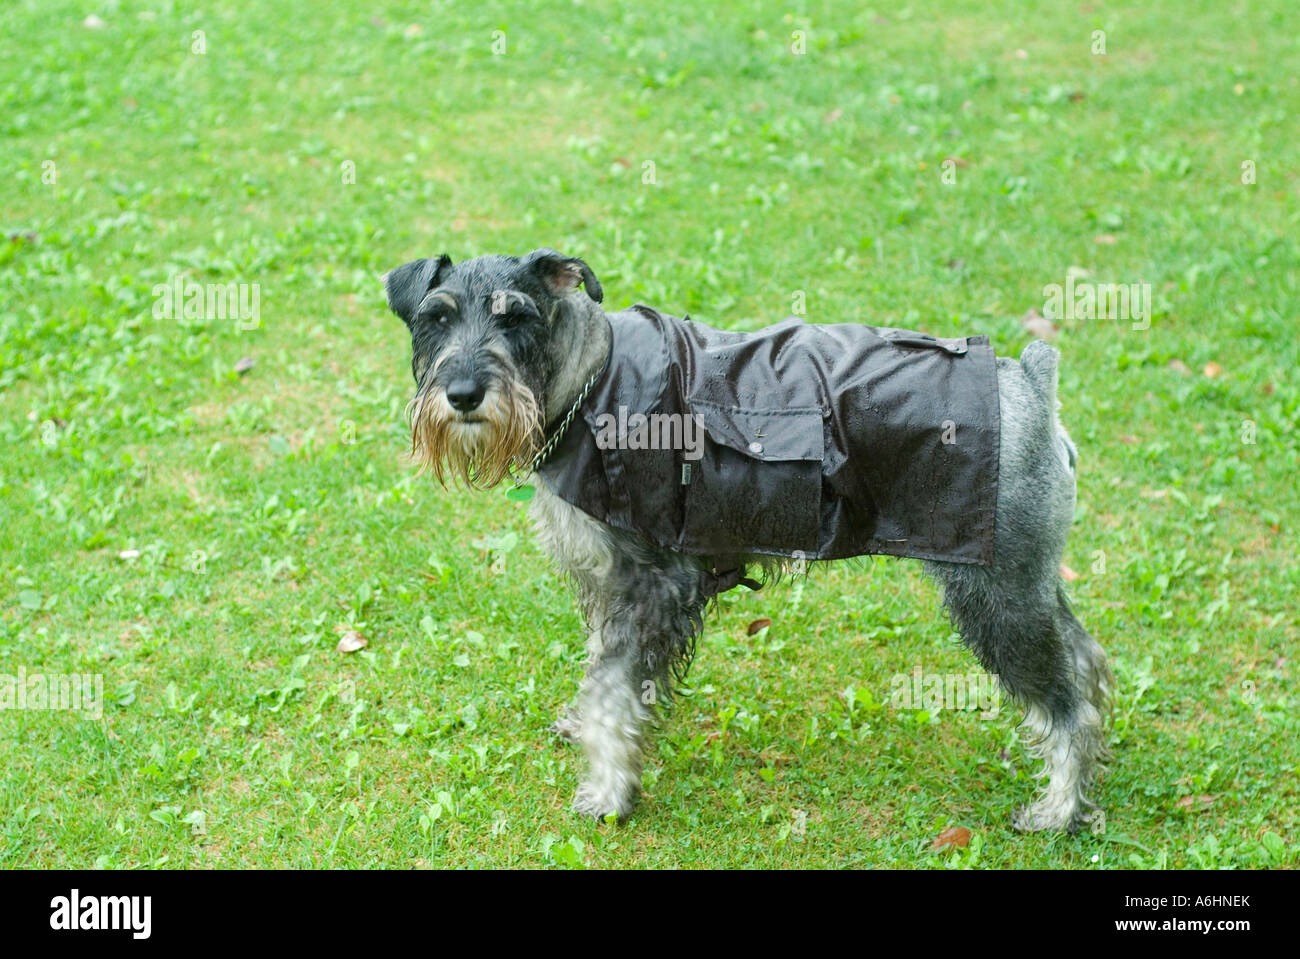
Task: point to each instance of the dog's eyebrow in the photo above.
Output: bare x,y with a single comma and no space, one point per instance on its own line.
442,296
497,300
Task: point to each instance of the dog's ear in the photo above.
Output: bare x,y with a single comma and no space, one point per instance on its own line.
407,285
562,274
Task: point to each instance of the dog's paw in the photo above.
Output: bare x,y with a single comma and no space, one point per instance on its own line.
1028,819
568,728
599,804
1044,816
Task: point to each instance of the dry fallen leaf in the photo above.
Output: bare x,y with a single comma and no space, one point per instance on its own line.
1187,802
757,625
1038,325
1068,574
1178,366
1128,439
953,837
1105,239
351,641
1212,369
243,364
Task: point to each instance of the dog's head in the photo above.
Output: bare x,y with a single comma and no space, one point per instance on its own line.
486,343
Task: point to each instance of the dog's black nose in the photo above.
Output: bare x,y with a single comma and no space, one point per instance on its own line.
464,395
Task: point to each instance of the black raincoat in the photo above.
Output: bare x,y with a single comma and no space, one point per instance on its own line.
817,442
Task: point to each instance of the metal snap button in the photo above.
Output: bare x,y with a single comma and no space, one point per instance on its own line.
756,447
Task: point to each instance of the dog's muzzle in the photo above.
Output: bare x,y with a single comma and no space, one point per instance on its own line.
472,431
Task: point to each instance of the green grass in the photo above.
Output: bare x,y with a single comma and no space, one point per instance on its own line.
270,509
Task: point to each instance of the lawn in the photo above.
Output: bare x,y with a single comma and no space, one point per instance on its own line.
198,505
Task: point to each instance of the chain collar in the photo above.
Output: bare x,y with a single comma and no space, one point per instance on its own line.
544,453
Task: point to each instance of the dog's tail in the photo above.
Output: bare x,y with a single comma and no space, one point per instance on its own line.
1041,365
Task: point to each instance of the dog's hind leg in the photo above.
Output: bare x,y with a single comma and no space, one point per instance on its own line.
1050,666
1071,738
1092,673
1014,615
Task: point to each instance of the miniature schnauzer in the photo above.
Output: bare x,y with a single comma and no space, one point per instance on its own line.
673,458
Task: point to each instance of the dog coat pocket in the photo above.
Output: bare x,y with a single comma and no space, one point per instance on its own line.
757,485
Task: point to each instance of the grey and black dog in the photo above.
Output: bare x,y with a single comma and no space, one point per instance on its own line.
506,349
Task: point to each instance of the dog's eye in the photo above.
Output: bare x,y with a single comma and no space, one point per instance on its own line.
436,317
515,318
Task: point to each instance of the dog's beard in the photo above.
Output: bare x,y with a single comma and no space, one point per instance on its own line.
478,447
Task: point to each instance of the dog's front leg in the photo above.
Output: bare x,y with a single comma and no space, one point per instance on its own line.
614,705
644,609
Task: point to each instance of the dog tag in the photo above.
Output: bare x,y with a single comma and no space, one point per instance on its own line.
520,494
686,474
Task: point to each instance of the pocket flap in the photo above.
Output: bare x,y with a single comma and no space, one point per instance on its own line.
766,435
954,345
